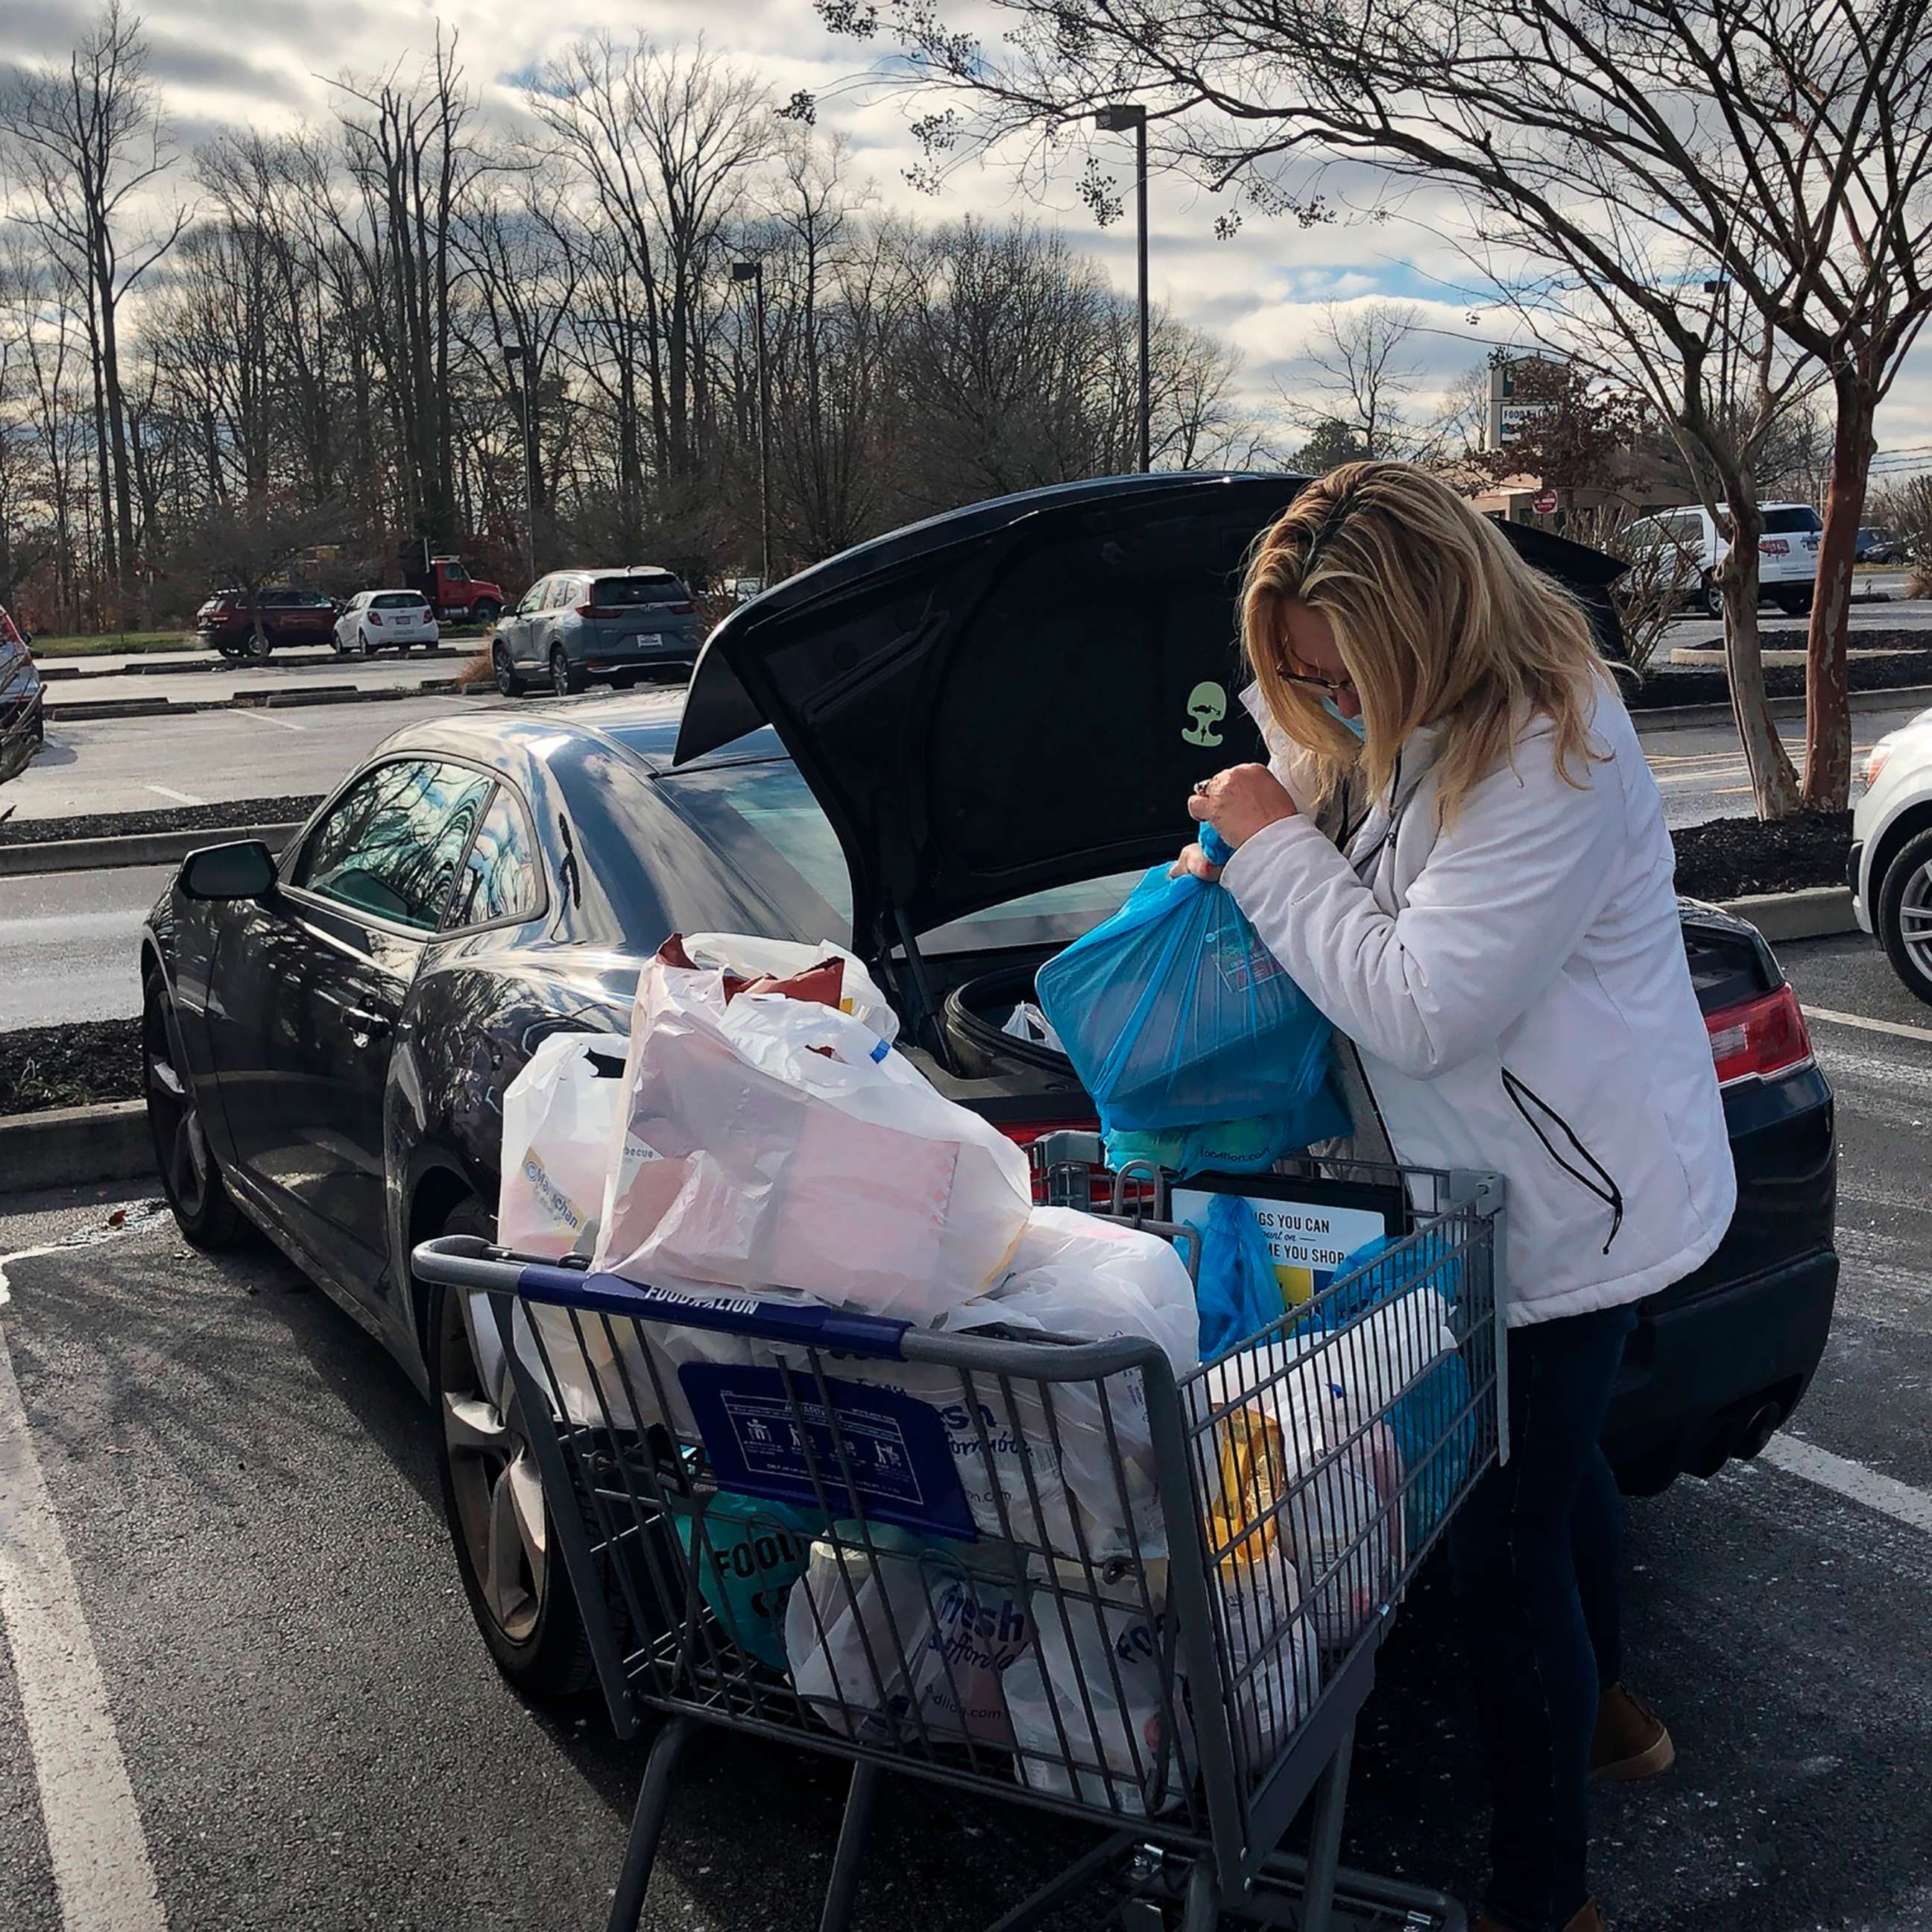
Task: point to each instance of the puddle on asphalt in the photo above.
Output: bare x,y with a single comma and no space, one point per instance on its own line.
131,1218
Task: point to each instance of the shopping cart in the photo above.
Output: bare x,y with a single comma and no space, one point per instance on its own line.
1049,1571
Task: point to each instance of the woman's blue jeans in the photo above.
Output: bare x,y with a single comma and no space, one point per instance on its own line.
1535,1553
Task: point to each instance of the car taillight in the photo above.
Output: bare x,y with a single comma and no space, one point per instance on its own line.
597,610
1758,1038
682,610
375,617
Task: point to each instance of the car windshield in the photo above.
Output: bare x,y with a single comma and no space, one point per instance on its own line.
618,592
1795,517
764,817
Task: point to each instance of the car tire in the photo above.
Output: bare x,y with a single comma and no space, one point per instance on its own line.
486,612
204,1210
508,684
565,677
362,646
1710,598
507,1552
256,646
1795,606
1903,915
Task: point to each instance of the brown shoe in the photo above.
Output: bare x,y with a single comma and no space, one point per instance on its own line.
1590,1919
1630,1742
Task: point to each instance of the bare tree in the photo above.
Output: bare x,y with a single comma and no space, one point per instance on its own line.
1365,376
88,143
1636,149
245,546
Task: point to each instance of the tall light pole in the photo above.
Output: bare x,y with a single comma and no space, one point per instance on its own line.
1117,120
519,356
754,272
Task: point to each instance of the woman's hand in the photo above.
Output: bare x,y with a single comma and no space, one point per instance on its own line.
1239,802
1193,860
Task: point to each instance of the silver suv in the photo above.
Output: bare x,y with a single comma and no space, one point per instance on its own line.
575,625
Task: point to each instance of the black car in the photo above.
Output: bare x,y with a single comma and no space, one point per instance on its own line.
956,749
1877,544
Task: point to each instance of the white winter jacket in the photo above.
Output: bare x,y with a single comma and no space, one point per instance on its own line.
1517,989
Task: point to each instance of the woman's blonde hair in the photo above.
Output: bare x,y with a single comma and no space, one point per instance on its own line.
1438,620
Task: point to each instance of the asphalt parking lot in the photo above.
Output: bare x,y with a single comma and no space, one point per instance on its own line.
241,1687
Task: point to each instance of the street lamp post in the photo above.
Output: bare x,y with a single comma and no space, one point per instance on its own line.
1117,120
518,355
754,272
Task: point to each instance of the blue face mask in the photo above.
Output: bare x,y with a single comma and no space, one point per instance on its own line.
1357,725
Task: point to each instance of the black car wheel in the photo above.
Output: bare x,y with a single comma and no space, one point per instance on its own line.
1904,915
508,682
257,645
485,611
1794,604
506,1550
1710,598
564,677
202,1205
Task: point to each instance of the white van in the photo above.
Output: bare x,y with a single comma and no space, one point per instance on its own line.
1787,552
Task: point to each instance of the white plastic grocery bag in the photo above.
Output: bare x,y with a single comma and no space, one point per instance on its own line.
794,1149
1088,1698
755,958
1089,1279
880,1646
559,1113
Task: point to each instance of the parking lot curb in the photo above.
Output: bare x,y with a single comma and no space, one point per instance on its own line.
1819,912
1666,716
136,848
67,1146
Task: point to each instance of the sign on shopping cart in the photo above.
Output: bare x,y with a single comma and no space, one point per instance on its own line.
1311,1225
770,1432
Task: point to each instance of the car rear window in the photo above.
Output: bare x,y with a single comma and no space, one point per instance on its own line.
1798,517
764,819
400,600
626,592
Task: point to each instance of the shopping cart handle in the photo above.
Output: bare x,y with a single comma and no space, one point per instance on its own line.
809,1324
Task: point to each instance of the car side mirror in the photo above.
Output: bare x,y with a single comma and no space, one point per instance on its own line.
245,870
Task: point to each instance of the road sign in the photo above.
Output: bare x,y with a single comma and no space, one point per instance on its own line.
1545,503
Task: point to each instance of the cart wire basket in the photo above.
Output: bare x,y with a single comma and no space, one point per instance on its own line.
1048,1570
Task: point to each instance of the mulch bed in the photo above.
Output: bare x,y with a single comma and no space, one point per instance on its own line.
1727,858
238,813
70,1066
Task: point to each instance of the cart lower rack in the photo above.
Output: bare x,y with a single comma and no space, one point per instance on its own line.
1051,1570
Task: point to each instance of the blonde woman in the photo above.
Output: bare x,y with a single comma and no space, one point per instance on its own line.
1459,852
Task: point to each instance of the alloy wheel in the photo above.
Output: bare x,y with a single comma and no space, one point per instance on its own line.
498,1490
1914,919
559,673
506,679
181,1146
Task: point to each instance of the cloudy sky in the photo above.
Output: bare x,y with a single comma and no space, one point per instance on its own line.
267,62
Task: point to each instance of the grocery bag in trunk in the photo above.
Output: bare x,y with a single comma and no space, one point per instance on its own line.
794,1148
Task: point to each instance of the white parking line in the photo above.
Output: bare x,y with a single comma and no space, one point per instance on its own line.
1897,1027
262,715
179,797
1852,1481
103,1875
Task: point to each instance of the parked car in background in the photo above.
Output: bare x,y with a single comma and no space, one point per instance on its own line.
896,751
1787,552
452,593
574,625
288,617
1890,868
23,728
1877,544
375,620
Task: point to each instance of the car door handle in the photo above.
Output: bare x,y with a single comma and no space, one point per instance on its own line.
363,1027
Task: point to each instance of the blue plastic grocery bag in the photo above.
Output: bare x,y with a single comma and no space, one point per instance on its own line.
1173,1013
1238,1292
1436,1411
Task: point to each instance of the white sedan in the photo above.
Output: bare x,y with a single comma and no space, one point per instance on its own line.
1891,869
373,619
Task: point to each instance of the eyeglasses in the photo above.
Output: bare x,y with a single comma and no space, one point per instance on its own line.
1334,686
